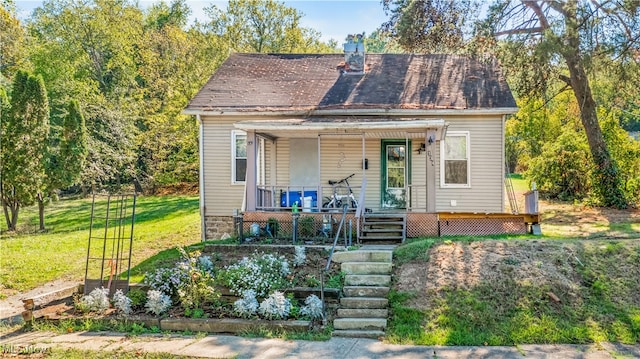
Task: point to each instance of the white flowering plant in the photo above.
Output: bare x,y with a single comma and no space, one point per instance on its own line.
121,302
275,306
247,306
261,272
312,308
96,301
191,281
157,302
300,256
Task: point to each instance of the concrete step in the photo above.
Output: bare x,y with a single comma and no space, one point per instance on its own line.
382,230
364,302
360,323
375,280
363,256
371,334
357,291
362,313
366,268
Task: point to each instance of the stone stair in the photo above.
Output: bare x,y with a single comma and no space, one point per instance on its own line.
387,227
363,308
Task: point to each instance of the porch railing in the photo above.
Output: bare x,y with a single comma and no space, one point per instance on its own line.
283,197
416,197
312,198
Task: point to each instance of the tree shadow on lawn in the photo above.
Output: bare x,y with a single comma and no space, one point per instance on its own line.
77,216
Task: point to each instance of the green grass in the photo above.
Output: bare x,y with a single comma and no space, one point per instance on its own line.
32,259
519,183
508,311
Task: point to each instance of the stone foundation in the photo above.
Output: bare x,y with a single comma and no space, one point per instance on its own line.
217,226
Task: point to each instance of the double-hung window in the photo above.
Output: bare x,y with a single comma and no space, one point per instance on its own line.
455,161
238,156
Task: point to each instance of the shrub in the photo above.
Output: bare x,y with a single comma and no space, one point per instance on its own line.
197,288
313,307
157,302
246,306
138,298
190,281
300,256
261,272
96,301
166,280
121,302
276,306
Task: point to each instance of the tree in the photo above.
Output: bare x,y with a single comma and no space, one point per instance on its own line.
264,26
379,42
12,41
88,51
24,132
65,156
432,26
574,33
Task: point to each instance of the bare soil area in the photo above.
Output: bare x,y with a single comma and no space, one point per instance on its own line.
546,263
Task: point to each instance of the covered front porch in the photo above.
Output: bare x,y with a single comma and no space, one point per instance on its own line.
321,165
301,173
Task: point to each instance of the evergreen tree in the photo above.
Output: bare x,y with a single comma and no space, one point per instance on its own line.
24,137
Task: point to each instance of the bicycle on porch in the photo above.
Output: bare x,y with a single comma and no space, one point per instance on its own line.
341,195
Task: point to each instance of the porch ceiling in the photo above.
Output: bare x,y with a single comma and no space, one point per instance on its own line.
389,128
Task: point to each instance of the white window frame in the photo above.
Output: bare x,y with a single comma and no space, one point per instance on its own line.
234,157
443,184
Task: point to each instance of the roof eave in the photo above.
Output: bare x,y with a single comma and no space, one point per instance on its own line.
221,112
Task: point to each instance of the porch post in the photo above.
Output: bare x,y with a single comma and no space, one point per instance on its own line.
431,170
251,176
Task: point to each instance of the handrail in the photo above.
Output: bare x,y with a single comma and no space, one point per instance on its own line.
326,269
335,241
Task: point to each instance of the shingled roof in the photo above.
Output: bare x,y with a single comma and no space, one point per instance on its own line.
279,82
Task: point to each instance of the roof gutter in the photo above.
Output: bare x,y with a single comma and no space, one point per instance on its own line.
302,125
265,112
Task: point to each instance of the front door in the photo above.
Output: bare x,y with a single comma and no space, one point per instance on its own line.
395,173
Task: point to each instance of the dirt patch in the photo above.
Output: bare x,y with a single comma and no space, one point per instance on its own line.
550,264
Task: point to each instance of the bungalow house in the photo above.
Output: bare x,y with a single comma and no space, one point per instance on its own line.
420,138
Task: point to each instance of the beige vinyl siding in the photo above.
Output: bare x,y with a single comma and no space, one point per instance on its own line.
282,162
372,152
486,155
340,157
221,196
418,176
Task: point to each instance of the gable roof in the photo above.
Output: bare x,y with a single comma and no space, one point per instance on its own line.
303,82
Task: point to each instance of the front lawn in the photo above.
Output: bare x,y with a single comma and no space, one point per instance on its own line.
30,259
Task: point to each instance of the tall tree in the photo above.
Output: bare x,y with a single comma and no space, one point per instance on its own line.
65,156
88,50
24,132
12,41
265,26
568,36
432,26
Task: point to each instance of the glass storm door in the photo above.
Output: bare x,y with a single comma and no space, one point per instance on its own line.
394,174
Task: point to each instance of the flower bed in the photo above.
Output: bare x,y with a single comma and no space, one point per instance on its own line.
227,289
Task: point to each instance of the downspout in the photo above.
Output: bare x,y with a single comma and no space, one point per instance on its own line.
203,224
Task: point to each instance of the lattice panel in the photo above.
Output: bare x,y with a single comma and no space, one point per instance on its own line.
422,225
482,226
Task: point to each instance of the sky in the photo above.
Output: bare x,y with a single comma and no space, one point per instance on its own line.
334,19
